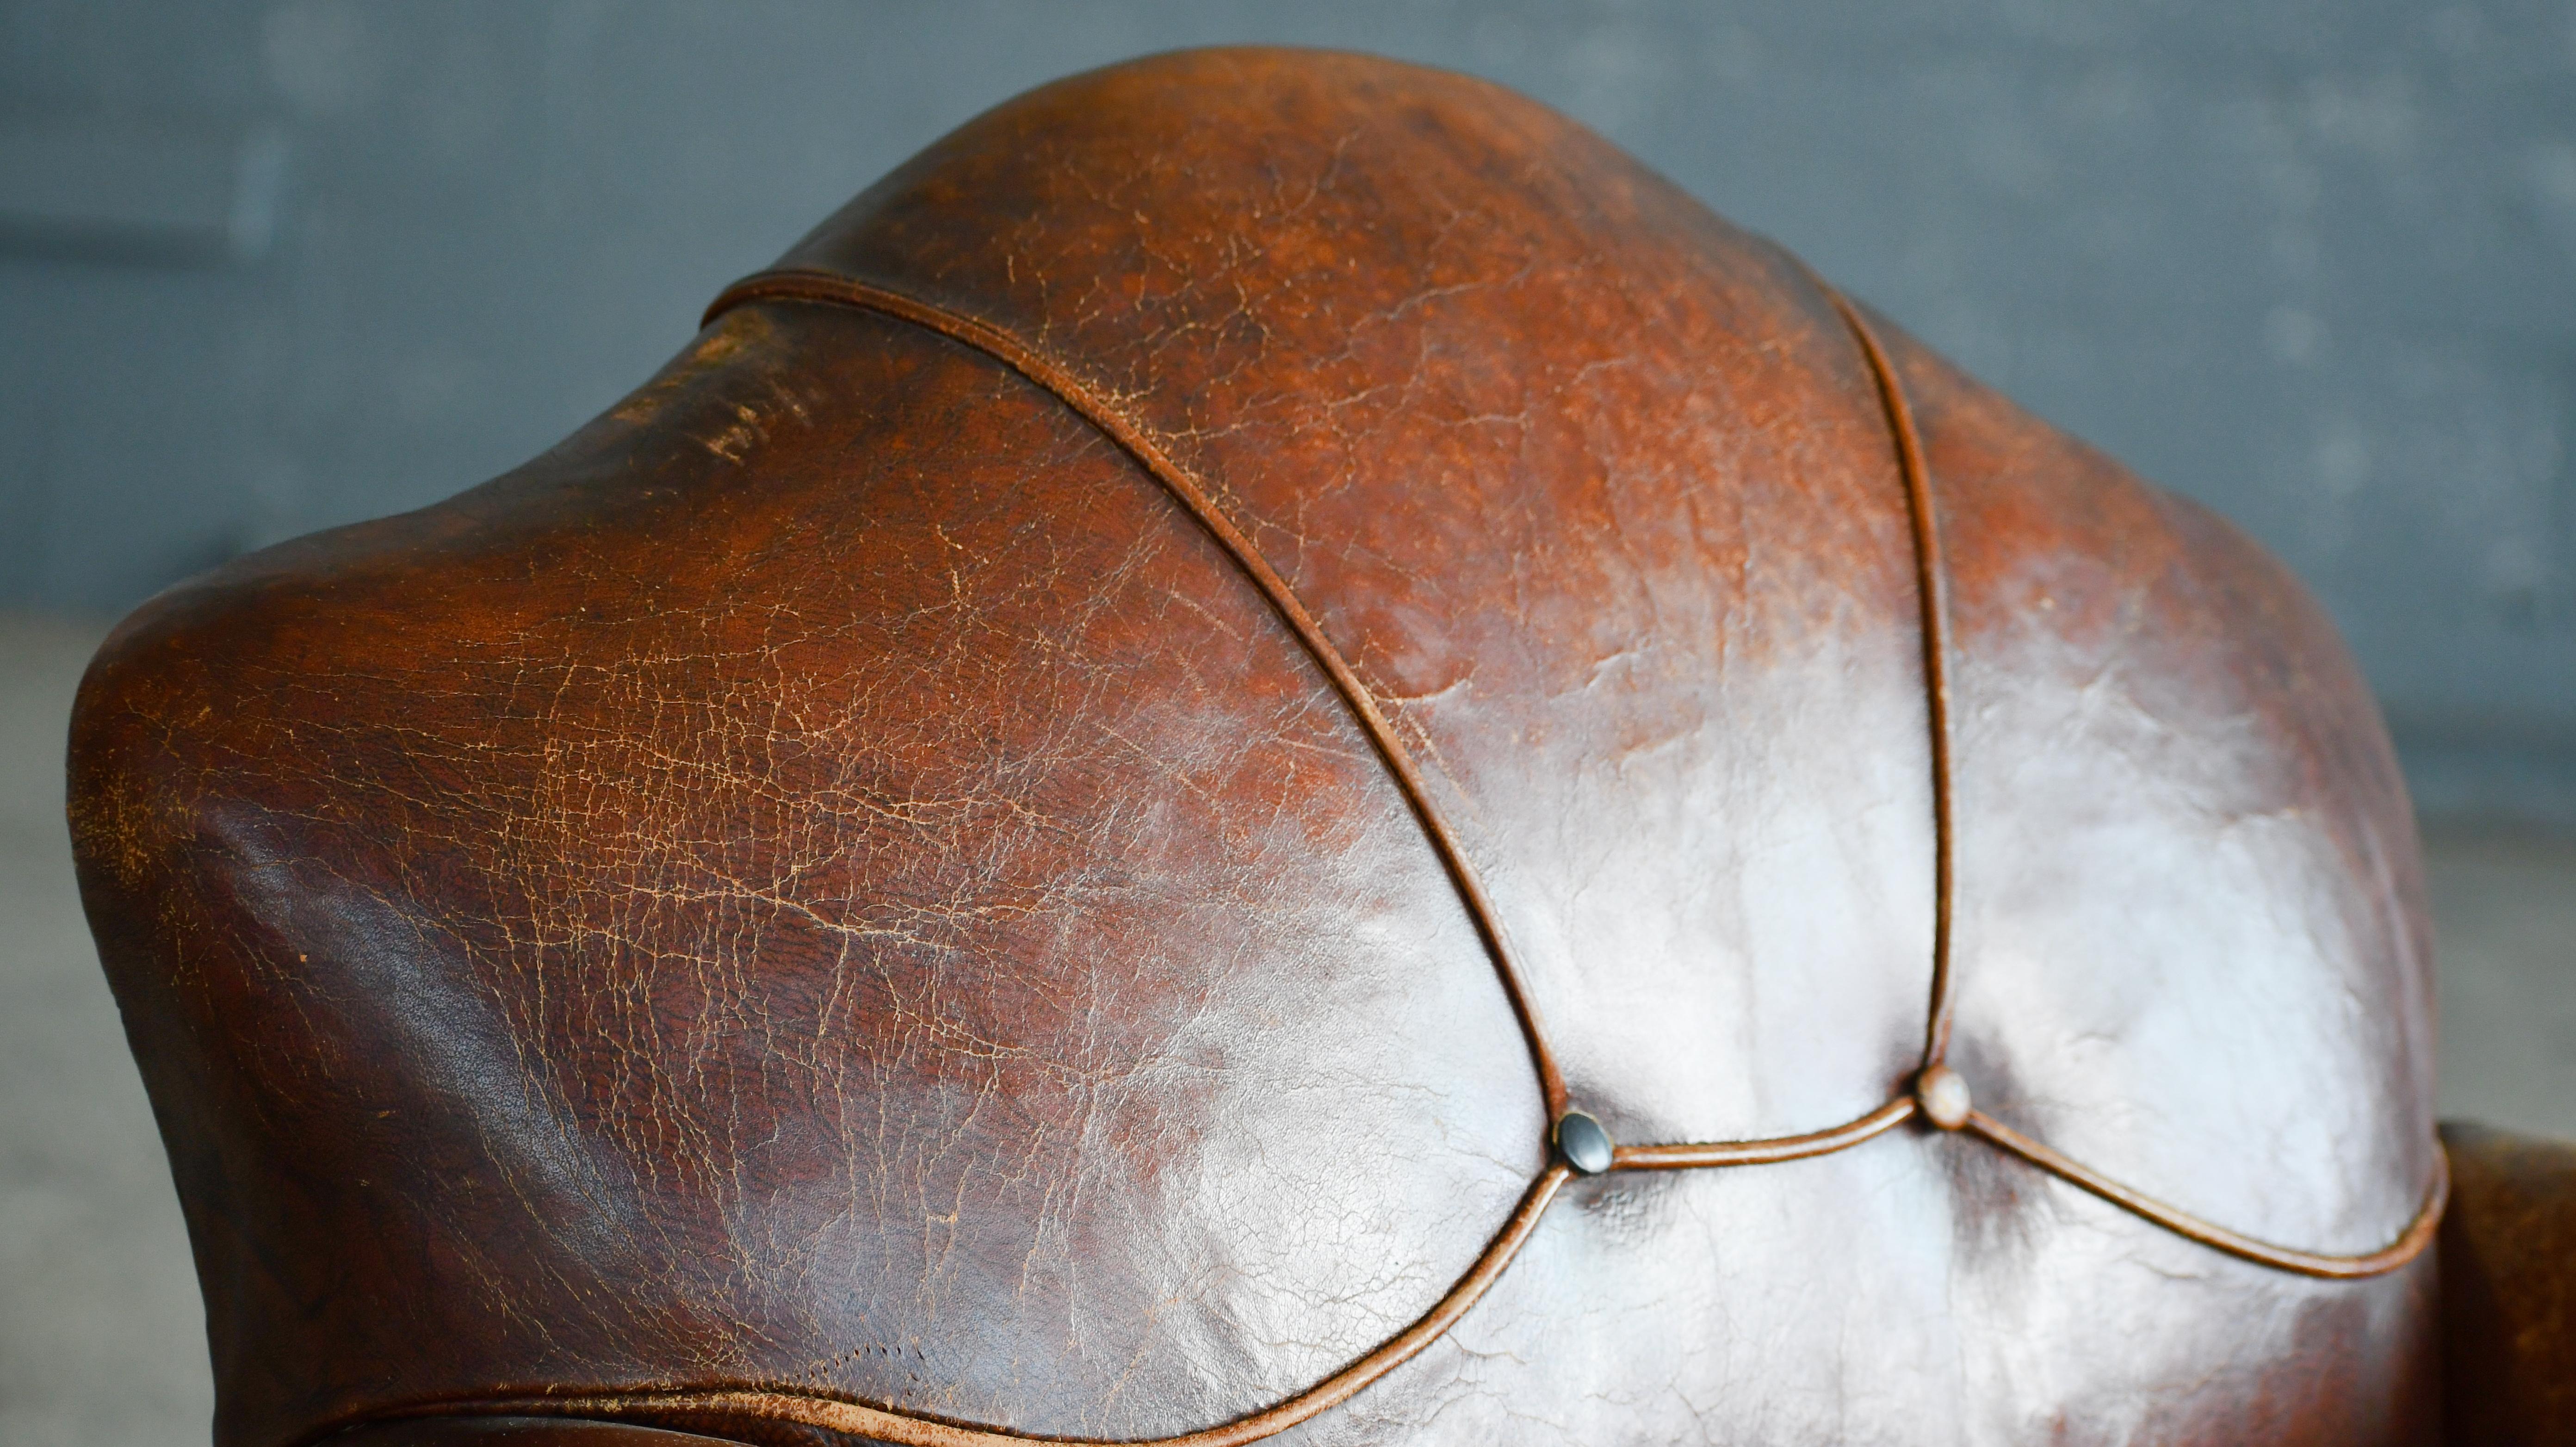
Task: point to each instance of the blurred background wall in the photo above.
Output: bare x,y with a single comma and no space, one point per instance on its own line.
271,265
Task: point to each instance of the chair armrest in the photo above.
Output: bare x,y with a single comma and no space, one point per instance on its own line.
511,1432
2508,1263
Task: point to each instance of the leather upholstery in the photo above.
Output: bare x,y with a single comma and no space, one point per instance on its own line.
513,1432
834,886
2509,1290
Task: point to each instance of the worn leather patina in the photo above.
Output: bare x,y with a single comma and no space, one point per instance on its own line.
1033,837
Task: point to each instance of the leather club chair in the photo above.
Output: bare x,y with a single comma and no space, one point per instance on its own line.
1274,749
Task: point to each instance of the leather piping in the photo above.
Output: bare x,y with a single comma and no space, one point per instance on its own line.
2417,1235
914,1430
1932,590
1093,407
1764,1152
910,1429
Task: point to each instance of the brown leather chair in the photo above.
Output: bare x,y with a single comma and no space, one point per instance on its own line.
1273,748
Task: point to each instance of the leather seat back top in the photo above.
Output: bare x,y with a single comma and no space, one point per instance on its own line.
1273,747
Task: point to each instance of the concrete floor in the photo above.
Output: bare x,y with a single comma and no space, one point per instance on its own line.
101,1335
102,1340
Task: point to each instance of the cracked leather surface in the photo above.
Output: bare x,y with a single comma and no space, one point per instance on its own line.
830,880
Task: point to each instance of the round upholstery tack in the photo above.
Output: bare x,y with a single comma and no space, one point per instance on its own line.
1944,1097
1583,1143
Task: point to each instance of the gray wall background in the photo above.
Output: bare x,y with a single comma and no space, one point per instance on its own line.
267,267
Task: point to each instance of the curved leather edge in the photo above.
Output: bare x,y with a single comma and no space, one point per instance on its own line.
2408,1245
509,1432
2508,1270
761,1406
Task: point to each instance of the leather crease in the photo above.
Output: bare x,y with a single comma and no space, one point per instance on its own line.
1067,385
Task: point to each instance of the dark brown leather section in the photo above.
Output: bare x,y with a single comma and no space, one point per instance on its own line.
831,883
2508,1250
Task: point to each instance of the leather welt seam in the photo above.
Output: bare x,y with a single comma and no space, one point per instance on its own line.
1765,1152
2410,1242
910,1429
914,1429
1932,589
1932,592
1093,406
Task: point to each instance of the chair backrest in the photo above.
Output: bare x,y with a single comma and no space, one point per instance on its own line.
1274,742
